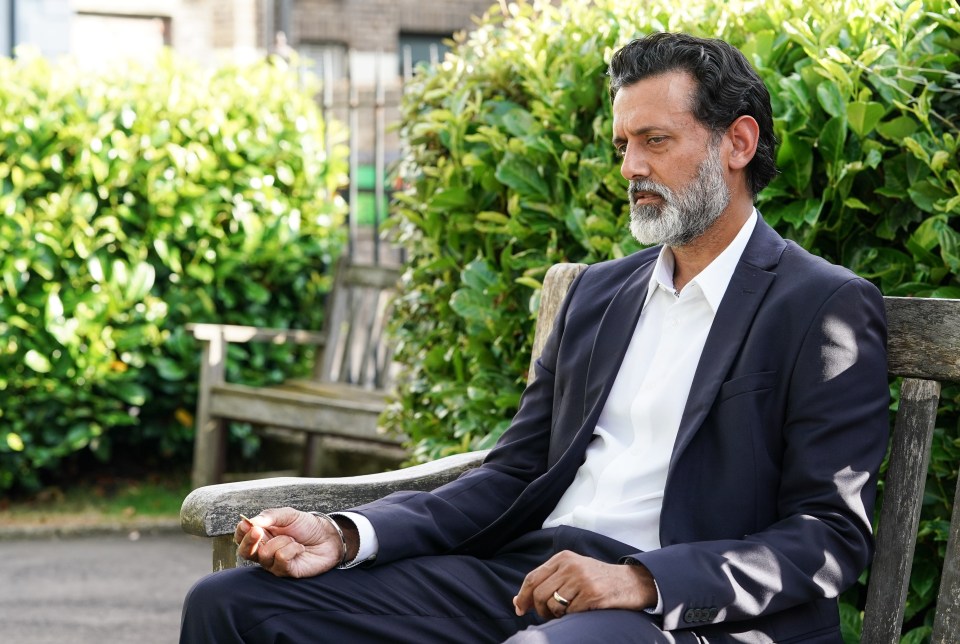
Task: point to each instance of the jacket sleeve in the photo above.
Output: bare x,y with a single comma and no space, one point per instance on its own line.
834,436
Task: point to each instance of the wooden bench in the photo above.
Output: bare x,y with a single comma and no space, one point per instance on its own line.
339,406
924,349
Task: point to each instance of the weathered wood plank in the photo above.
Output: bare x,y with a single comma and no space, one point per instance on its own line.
355,418
946,624
924,338
208,438
374,277
224,552
360,303
900,512
242,334
556,283
335,390
215,509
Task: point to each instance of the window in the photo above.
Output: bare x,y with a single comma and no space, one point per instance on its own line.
416,48
99,39
318,54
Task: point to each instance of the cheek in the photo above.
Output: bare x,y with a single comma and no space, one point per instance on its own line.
677,168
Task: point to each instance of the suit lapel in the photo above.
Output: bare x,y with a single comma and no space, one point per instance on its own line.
613,338
609,347
746,291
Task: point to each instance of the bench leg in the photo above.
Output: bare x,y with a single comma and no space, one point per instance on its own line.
314,456
210,440
209,452
224,552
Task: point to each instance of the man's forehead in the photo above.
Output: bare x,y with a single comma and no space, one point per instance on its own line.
664,98
670,90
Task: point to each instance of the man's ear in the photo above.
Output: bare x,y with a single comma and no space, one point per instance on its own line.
744,134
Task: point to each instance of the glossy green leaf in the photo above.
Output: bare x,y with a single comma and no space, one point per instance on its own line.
795,159
130,393
897,128
832,139
864,116
522,176
831,99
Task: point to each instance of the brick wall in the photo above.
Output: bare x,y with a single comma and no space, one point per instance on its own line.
368,25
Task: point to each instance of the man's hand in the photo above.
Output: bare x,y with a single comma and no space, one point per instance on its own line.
289,543
586,584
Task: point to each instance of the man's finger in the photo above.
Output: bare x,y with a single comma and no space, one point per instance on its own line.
250,542
267,550
559,603
284,557
240,532
543,599
524,600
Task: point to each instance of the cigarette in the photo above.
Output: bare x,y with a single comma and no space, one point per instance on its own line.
246,518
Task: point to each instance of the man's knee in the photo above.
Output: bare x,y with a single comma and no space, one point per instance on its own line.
205,593
206,611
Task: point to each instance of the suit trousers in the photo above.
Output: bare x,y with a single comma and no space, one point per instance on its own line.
444,598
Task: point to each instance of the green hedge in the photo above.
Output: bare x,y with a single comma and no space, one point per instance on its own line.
510,169
131,202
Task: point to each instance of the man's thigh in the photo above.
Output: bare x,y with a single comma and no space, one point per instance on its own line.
426,599
602,627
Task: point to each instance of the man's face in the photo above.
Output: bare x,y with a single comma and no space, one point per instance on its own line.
678,185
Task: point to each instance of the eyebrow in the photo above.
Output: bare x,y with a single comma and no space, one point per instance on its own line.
641,131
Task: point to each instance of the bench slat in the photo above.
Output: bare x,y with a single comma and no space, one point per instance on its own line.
923,338
946,624
900,512
240,334
556,283
297,409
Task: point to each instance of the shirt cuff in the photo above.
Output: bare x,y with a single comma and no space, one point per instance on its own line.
369,544
658,609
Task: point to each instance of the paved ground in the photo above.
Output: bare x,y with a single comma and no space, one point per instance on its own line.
122,588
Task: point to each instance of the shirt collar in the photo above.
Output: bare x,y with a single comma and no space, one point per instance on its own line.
712,280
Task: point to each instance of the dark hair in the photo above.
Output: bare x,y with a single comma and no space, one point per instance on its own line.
727,88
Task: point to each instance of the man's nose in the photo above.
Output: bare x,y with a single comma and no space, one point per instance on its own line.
634,165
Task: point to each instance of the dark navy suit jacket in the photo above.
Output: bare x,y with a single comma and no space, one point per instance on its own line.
770,491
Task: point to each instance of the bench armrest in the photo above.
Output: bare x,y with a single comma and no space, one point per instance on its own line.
214,510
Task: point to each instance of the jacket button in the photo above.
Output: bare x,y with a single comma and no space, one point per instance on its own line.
712,615
689,616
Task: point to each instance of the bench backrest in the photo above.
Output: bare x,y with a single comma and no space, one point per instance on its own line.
356,351
923,348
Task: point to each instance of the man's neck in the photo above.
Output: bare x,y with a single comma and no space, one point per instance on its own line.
692,258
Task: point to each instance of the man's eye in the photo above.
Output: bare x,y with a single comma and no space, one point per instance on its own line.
620,151
656,140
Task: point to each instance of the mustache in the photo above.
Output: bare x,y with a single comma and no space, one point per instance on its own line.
648,186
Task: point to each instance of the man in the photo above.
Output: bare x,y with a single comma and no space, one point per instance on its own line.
695,461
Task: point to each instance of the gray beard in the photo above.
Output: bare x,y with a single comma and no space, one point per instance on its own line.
685,215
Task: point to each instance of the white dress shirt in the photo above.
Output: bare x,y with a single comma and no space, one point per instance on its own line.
618,490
